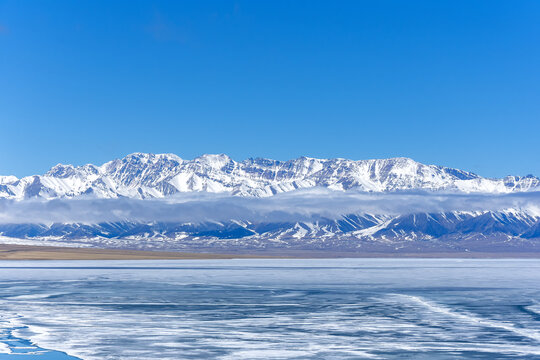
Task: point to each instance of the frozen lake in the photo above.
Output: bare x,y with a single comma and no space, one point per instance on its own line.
270,309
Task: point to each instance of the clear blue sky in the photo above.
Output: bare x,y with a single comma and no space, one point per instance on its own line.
454,83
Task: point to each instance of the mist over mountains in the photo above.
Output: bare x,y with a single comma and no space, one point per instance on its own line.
213,202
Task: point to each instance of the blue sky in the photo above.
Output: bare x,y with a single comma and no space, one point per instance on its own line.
454,83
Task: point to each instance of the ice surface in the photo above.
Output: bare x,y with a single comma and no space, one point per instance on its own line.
276,309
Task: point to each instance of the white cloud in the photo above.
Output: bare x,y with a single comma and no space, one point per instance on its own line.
293,206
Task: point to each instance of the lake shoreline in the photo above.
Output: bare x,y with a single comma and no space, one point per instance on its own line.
31,252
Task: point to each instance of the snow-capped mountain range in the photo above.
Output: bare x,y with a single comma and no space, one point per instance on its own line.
262,205
143,176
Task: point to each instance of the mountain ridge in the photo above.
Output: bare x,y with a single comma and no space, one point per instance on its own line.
145,175
458,231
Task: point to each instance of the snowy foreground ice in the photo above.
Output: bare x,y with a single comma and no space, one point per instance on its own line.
270,309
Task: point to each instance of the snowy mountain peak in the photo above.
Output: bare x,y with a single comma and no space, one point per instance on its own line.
214,161
9,179
144,175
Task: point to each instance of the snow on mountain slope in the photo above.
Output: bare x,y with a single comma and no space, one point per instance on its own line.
142,176
505,230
